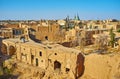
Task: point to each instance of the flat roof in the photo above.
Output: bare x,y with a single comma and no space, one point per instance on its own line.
48,46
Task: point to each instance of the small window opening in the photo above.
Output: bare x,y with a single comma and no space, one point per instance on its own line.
40,53
46,37
67,69
55,53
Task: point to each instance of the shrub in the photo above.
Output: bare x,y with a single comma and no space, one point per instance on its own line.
118,30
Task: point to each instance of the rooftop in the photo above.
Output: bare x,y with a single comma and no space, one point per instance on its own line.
50,46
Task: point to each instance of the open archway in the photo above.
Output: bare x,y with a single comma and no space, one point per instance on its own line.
3,49
57,65
12,50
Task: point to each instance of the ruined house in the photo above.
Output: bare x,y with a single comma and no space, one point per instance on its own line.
50,57
47,30
11,32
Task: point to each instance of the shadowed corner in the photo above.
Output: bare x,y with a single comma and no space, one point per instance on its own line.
8,76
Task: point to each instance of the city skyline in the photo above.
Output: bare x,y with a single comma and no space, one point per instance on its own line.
59,9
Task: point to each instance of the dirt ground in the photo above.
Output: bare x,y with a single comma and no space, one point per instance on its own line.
99,66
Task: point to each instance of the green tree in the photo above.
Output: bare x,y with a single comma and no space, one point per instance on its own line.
118,30
112,37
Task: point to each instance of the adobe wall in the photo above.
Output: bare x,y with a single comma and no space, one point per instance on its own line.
54,58
47,32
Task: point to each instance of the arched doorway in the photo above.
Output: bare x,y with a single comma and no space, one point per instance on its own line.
37,62
12,50
57,65
4,49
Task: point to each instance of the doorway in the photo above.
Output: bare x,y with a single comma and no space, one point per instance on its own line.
37,62
57,65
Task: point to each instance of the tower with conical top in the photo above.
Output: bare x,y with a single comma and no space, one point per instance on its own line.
76,21
76,18
67,23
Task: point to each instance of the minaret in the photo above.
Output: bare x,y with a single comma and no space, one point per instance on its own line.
76,20
75,17
67,23
78,17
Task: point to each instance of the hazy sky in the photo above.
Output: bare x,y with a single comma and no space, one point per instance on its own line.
59,9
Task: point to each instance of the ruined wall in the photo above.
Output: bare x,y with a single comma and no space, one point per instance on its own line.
6,32
47,32
32,55
12,25
52,58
